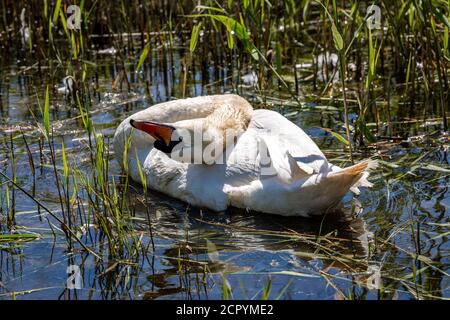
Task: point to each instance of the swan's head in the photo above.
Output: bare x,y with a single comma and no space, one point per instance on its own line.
165,137
188,141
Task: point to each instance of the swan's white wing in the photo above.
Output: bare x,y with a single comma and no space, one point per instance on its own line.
286,144
282,162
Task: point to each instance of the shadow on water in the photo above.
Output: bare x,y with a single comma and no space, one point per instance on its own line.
196,249
252,247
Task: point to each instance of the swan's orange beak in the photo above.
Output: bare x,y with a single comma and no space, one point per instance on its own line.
156,130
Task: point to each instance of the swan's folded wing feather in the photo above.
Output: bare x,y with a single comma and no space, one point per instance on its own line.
288,137
298,169
281,161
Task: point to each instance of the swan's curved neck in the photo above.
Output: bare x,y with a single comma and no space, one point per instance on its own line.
220,112
210,137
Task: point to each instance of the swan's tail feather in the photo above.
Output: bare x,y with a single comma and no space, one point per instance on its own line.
360,167
360,172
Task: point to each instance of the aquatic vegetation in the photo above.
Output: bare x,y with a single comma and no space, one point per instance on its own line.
361,84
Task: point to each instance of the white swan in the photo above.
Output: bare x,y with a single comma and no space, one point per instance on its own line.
272,165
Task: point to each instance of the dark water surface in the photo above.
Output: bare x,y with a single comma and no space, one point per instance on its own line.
390,242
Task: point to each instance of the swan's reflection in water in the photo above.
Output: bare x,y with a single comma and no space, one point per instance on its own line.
205,247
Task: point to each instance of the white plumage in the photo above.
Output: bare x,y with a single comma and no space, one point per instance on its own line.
274,167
